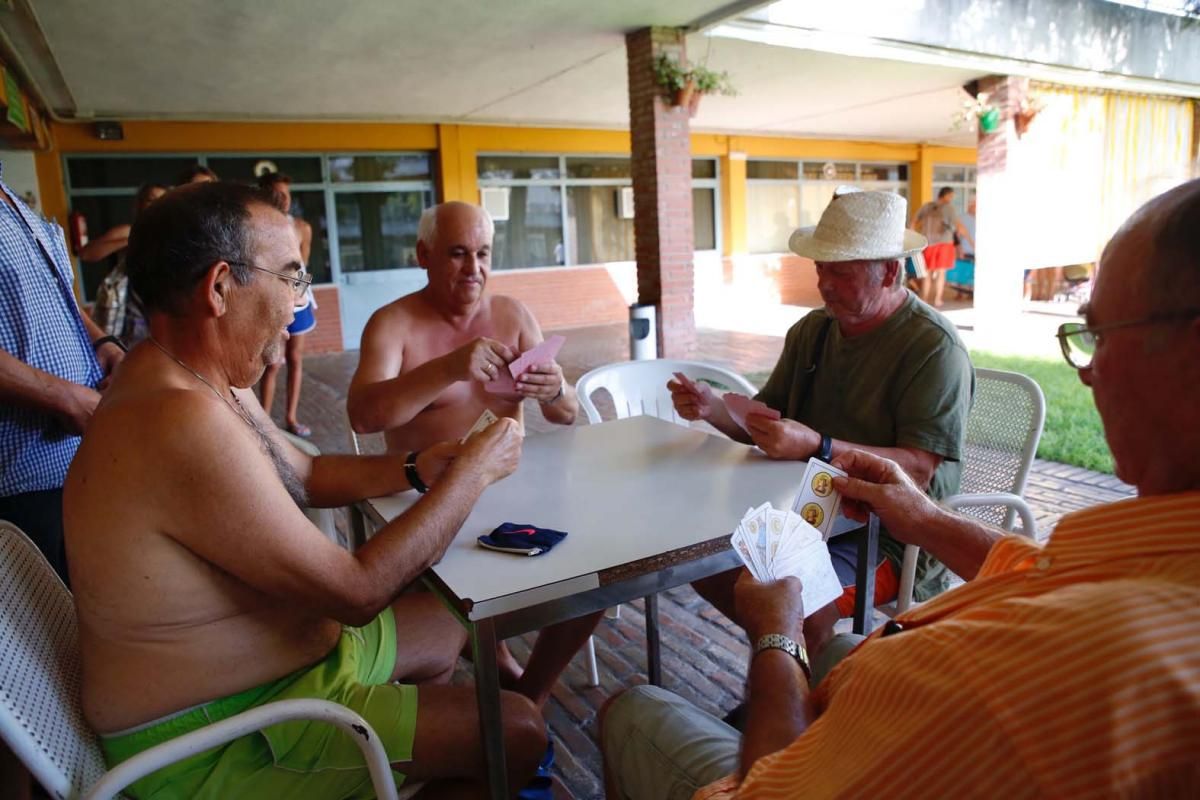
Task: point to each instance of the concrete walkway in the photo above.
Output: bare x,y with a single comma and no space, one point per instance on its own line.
704,657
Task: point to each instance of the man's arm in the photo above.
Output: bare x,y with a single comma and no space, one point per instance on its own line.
103,246
380,398
30,387
219,496
877,485
777,686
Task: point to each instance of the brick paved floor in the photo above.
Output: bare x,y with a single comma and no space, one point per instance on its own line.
704,656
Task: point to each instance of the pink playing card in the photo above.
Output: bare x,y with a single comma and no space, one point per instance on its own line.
502,384
739,407
543,353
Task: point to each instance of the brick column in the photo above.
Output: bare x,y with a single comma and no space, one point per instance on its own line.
1000,248
662,192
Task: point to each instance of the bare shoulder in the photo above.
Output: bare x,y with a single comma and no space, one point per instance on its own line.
513,318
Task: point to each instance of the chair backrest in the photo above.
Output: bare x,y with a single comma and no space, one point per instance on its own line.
1003,430
366,444
639,388
41,718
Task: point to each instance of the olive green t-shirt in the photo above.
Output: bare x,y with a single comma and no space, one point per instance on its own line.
908,383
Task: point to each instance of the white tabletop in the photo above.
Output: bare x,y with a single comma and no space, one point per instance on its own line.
623,490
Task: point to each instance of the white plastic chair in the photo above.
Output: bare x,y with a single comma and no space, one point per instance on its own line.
639,388
41,719
1002,436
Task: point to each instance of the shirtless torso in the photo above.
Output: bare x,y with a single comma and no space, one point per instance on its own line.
409,334
163,627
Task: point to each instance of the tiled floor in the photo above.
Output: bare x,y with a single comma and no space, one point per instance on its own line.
703,655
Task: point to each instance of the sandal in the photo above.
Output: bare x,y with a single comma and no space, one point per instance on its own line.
299,429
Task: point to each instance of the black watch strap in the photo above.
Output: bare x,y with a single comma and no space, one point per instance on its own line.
410,472
826,451
103,340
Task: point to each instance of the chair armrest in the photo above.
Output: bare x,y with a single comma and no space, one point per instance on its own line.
255,719
908,569
1016,503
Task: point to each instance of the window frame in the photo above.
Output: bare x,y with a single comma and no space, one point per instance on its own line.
563,183
328,187
800,181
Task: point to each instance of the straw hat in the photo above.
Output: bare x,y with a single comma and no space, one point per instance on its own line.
859,226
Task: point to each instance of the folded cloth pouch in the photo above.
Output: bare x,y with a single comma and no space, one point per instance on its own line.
522,539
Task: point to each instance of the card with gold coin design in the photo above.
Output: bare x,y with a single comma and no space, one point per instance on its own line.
818,502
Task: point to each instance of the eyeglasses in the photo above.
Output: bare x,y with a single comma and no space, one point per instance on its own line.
299,280
1078,339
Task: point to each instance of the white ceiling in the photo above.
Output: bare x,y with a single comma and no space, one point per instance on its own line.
531,62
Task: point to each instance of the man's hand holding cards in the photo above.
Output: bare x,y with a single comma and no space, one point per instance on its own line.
741,407
693,401
774,544
485,420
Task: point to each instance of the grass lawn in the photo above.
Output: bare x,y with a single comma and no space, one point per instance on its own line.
1072,433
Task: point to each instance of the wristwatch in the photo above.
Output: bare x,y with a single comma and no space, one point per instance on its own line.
777,641
562,388
825,451
410,472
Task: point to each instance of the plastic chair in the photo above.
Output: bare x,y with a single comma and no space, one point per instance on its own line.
1003,430
41,718
639,388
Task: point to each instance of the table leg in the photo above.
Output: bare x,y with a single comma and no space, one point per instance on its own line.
864,595
487,693
653,653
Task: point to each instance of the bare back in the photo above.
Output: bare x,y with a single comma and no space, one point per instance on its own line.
409,333
165,625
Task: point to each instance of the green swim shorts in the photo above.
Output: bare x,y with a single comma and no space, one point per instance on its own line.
293,759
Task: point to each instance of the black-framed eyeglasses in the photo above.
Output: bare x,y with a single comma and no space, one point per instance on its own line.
1078,339
300,280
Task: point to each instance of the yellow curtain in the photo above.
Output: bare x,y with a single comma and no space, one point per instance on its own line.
1089,160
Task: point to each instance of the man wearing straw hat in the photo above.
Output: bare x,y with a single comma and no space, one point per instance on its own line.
876,369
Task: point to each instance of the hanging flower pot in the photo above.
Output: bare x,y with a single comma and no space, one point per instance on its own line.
989,121
686,95
693,103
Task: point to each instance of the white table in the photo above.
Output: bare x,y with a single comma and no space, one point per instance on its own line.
648,505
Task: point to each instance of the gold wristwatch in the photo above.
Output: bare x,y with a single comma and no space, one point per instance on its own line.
777,641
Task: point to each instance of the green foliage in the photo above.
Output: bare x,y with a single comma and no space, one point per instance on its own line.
673,76
1073,433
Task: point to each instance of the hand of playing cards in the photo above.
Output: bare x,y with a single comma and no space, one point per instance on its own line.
774,544
505,381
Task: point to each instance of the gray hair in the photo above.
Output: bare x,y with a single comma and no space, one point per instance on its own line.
427,226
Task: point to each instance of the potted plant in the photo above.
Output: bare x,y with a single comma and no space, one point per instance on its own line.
1031,106
686,84
977,111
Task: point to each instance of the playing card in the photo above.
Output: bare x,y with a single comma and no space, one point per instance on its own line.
485,419
745,550
813,566
543,353
739,407
818,502
688,383
502,384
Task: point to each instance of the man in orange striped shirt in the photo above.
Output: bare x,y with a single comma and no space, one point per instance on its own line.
1066,670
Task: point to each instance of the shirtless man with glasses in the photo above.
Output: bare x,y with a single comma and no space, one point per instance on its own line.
201,588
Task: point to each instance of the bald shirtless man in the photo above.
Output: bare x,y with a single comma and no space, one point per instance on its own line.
201,588
421,377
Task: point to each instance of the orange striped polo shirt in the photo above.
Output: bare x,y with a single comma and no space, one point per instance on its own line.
1069,670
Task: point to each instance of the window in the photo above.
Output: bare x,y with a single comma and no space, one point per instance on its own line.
959,178
568,210
784,195
363,208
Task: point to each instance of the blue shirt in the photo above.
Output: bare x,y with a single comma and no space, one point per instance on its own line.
41,326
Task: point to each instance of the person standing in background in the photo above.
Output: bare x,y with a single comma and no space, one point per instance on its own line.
279,186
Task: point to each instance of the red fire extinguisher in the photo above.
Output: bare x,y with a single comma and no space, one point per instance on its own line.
77,226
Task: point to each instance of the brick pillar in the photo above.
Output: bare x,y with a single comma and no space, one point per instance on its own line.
662,192
1000,254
